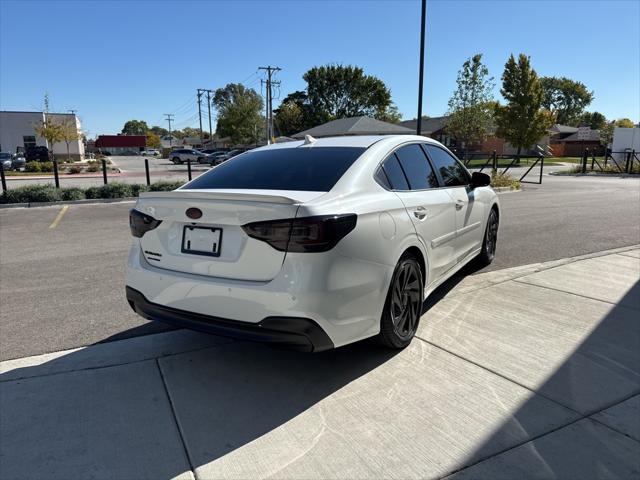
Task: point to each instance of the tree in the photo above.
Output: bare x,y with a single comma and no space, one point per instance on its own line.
153,140
289,118
238,113
339,91
135,127
522,121
606,132
191,132
594,120
161,132
50,130
566,98
470,108
69,133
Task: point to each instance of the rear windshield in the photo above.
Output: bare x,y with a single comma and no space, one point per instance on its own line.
315,169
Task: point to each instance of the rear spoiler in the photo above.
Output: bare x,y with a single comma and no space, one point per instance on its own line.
213,195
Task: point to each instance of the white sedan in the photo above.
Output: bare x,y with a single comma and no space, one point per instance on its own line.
313,244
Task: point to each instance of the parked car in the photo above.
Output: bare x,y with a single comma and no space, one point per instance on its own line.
18,161
37,153
182,155
151,152
315,243
5,159
221,157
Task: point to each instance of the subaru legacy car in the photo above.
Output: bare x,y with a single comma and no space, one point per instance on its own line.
313,244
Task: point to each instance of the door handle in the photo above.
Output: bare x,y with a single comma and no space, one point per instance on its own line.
420,213
459,205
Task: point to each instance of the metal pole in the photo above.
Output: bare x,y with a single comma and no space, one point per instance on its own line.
495,163
4,180
200,113
146,171
541,168
423,21
56,179
189,168
104,171
209,108
584,160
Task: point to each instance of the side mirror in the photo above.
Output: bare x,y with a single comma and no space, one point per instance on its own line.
480,180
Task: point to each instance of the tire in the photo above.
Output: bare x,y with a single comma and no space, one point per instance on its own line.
176,160
200,159
403,306
488,252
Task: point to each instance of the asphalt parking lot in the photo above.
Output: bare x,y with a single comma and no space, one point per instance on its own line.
63,287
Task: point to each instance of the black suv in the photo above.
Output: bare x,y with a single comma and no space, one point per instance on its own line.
40,154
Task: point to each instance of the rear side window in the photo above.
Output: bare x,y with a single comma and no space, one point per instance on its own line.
392,176
416,167
315,169
452,172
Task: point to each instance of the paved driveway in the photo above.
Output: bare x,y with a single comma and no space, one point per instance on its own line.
532,372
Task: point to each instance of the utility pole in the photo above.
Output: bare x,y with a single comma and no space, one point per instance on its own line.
269,107
202,91
209,108
169,119
200,113
72,111
423,22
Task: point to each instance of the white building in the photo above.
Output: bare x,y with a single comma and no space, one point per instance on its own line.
17,132
625,140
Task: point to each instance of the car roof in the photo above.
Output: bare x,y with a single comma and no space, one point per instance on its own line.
362,141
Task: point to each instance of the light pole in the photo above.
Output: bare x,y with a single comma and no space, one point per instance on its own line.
423,21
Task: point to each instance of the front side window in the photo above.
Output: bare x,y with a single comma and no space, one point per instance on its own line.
315,169
452,172
416,167
29,141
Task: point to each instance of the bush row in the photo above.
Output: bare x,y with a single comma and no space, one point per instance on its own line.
48,193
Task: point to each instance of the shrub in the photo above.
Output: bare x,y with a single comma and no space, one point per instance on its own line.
93,167
32,193
112,190
165,186
33,167
137,188
72,193
74,169
504,180
46,166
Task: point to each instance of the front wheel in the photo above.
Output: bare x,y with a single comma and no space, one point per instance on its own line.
176,160
403,307
488,252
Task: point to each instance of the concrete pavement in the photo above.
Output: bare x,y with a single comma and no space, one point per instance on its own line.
529,372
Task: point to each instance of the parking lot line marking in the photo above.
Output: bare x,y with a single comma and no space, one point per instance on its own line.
55,223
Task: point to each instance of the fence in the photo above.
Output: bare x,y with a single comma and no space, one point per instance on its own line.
104,170
506,162
628,162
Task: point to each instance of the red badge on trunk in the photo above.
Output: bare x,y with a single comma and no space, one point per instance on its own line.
194,213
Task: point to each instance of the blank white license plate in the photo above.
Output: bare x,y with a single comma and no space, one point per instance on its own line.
201,240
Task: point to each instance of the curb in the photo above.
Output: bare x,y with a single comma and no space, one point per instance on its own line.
68,202
501,190
609,175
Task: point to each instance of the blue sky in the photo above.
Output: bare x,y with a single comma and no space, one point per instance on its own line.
118,60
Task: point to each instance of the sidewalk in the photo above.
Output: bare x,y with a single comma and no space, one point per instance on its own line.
529,372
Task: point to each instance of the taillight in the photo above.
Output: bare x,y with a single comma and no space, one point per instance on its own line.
306,234
140,223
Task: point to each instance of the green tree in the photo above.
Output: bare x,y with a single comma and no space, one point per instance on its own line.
566,98
289,118
153,140
239,113
339,91
161,132
191,132
470,108
594,120
69,133
50,130
606,132
135,127
522,121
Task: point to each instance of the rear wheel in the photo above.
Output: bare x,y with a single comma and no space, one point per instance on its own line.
403,307
488,251
176,160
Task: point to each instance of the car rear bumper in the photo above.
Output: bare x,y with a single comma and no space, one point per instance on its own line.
296,333
343,296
